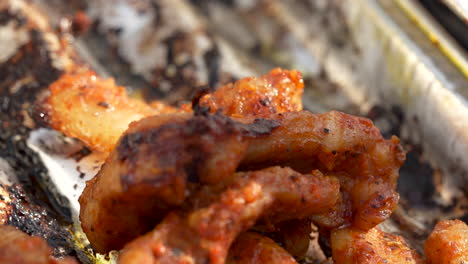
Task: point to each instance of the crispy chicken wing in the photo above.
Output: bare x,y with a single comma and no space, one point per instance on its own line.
19,248
448,243
253,248
95,110
353,246
157,161
203,231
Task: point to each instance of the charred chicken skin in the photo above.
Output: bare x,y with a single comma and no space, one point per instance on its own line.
97,111
159,157
160,160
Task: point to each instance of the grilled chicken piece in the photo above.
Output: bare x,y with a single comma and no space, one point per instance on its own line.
258,97
353,246
283,89
253,248
345,145
159,157
95,110
19,248
204,229
159,160
448,243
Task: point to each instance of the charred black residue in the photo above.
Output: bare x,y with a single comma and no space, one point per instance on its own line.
260,127
33,61
197,108
183,144
212,60
181,74
389,121
157,12
80,154
35,220
265,101
6,17
229,3
415,184
129,144
103,104
37,207
178,75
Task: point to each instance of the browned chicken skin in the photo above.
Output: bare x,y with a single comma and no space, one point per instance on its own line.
253,248
278,91
158,157
19,248
203,231
448,243
348,146
95,110
157,161
113,199
353,246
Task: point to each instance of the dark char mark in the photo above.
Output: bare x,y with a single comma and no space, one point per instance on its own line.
181,145
38,209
